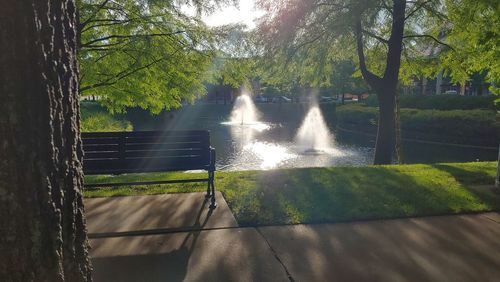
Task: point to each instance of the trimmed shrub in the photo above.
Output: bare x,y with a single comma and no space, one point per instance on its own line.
457,126
442,102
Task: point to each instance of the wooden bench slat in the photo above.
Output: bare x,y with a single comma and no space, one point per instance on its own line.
166,153
100,148
165,146
103,141
149,151
101,155
167,139
122,152
146,164
192,133
147,133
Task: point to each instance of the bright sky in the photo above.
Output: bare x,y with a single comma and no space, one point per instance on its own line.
246,14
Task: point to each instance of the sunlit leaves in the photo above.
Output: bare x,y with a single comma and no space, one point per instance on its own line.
144,53
475,35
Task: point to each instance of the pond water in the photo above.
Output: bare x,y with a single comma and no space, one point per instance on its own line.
270,141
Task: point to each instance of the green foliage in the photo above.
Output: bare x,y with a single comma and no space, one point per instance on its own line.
310,195
94,118
441,102
307,39
356,115
343,79
475,35
471,126
235,65
304,39
144,53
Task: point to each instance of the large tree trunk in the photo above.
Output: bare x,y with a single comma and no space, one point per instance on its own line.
386,133
385,86
42,223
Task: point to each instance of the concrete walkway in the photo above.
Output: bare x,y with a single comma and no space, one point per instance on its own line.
175,238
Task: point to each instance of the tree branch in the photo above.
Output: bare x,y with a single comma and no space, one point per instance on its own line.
88,44
118,77
395,41
379,38
370,77
428,36
105,22
123,74
82,25
422,4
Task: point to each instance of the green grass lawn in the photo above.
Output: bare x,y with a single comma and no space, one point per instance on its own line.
313,195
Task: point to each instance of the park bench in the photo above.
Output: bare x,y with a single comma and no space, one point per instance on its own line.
115,153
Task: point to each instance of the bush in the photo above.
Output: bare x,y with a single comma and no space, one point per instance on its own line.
357,115
95,118
458,126
442,102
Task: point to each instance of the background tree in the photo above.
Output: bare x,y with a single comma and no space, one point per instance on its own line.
310,35
344,80
235,64
475,35
145,53
42,222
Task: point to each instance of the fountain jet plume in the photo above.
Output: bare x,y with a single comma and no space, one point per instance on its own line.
314,135
244,111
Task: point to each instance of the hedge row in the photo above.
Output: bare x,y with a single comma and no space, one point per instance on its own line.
442,102
458,126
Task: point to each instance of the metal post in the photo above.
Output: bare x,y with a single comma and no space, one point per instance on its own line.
497,180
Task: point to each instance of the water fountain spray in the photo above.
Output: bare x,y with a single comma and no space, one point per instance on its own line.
314,135
244,111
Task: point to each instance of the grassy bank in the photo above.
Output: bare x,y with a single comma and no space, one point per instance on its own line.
442,102
335,194
96,119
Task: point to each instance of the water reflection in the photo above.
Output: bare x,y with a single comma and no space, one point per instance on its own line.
271,141
263,146
268,154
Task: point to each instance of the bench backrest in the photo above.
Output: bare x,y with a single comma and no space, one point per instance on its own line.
145,151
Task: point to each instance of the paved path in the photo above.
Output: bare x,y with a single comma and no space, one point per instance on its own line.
198,246
159,213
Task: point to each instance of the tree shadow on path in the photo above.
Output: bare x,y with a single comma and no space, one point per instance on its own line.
152,263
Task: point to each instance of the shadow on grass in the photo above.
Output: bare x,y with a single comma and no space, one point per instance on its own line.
151,189
477,179
347,194
472,174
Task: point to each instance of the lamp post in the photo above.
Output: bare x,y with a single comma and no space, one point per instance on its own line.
497,180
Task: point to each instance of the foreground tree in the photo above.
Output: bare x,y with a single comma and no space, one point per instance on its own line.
309,36
42,222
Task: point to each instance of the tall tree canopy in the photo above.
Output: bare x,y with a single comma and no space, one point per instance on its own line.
145,53
306,38
474,32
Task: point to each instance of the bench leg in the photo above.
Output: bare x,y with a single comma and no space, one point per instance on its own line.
209,183
213,204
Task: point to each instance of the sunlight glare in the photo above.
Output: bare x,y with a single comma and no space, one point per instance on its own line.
270,154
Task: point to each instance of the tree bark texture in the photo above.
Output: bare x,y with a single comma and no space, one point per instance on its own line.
42,221
386,86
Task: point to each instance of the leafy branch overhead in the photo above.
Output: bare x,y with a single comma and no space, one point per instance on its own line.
144,53
307,37
158,54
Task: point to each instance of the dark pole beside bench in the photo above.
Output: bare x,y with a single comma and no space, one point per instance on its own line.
149,151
